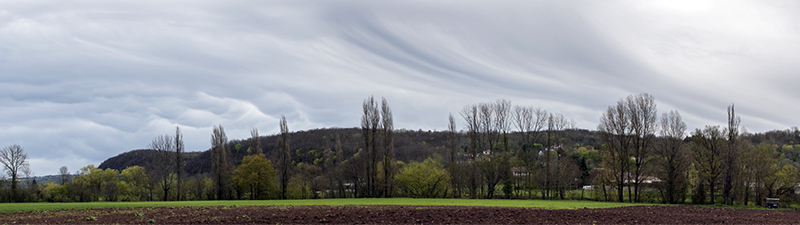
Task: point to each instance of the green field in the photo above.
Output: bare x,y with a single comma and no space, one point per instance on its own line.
546,204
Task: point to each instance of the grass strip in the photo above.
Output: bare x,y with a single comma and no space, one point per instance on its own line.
545,204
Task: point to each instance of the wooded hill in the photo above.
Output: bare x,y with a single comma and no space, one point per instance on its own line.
410,146
308,147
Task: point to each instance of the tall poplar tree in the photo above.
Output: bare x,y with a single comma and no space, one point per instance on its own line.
731,153
221,162
284,156
370,122
179,149
387,131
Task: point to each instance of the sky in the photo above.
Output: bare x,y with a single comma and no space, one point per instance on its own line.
82,81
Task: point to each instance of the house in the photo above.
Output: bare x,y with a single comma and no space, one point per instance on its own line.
519,171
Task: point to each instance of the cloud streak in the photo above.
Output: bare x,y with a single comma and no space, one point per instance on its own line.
84,81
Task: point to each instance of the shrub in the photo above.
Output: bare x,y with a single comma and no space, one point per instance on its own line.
427,179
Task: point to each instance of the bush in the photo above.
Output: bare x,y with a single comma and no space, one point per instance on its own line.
427,179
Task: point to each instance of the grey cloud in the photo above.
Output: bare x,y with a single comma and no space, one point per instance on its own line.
83,81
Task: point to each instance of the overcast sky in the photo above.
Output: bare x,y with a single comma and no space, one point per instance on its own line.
82,81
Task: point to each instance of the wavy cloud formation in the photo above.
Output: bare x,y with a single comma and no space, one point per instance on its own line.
83,81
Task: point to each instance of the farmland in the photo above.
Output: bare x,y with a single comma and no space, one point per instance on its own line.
361,211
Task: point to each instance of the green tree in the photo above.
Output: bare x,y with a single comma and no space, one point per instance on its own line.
760,168
138,183
89,183
785,181
709,144
54,192
309,181
256,175
427,179
672,160
296,188
110,189
199,187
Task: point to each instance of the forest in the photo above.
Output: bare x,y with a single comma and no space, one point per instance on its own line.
490,150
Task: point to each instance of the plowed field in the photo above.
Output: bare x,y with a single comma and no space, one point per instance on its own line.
403,215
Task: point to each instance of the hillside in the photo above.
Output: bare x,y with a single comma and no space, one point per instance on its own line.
307,146
409,145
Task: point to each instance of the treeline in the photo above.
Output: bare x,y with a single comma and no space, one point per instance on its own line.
493,150
307,146
716,165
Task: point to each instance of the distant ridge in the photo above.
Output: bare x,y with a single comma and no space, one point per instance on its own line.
309,145
409,145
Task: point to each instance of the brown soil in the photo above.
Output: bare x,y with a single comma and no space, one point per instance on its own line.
403,215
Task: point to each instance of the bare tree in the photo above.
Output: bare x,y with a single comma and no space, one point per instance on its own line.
556,123
488,131
284,156
732,153
169,157
64,174
615,130
255,142
628,130
502,112
471,122
162,165
387,129
470,114
330,165
529,122
672,154
487,128
339,156
26,170
643,115
563,173
14,160
333,167
495,165
221,163
179,149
